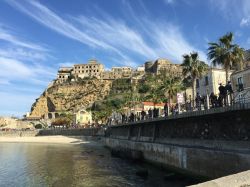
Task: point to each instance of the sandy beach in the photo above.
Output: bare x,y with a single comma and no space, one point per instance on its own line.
45,139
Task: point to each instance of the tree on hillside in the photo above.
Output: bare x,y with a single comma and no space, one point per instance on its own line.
225,53
194,68
171,86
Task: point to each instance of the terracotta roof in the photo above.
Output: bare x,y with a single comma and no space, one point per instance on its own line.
152,104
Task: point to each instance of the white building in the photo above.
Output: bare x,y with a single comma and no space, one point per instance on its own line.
210,82
241,86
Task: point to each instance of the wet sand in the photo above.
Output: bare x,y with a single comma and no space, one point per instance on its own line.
45,139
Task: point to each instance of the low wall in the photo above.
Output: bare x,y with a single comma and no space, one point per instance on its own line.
212,145
69,132
18,133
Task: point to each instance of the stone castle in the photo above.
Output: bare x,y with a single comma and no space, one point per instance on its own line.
95,69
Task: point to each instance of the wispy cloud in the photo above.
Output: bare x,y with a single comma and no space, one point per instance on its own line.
245,22
50,19
169,1
12,70
113,34
233,10
8,36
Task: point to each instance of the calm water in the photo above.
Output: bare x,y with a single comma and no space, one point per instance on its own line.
23,164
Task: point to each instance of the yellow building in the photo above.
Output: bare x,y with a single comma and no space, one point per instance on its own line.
83,117
241,85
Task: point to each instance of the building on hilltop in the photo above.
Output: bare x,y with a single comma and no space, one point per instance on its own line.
122,72
64,74
91,69
117,73
161,65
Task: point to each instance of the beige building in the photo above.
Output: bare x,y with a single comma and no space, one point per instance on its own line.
83,117
117,73
64,74
122,72
91,69
241,85
210,82
161,65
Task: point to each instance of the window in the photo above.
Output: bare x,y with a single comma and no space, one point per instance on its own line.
240,84
206,81
197,83
240,80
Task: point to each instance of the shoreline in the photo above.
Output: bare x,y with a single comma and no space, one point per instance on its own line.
57,139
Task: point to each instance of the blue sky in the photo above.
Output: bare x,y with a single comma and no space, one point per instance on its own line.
37,37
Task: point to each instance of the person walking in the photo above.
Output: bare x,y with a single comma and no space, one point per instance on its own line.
154,113
143,114
222,96
198,101
150,112
166,109
229,91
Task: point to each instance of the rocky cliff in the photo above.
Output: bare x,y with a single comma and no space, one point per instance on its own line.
70,96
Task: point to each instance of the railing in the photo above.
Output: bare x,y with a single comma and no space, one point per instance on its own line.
197,111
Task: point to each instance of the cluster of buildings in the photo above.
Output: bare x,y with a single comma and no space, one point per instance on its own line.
204,86
95,69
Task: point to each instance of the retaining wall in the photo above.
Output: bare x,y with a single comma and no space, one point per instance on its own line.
212,144
69,132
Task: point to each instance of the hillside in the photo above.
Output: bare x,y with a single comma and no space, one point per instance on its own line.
70,96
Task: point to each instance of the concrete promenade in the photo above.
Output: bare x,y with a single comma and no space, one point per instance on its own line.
211,143
237,180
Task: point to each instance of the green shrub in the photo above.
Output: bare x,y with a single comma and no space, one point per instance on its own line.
38,126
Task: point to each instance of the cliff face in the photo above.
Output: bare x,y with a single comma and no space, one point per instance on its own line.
70,96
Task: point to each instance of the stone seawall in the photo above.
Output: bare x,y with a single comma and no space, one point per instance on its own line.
210,145
69,132
18,133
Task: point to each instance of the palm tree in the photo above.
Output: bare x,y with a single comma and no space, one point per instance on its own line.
238,56
194,68
225,53
171,85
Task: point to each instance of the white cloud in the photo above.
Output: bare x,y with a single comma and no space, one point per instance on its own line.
7,35
113,34
233,10
23,54
245,22
53,21
169,1
15,70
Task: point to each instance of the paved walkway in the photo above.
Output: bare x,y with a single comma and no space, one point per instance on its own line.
237,180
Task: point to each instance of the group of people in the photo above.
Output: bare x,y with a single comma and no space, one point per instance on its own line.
224,98
151,113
